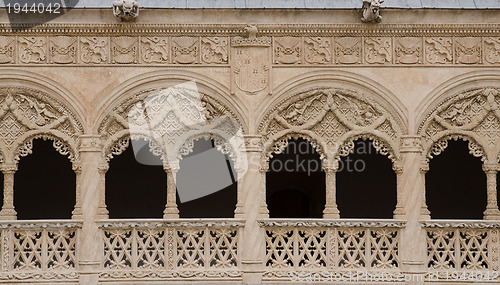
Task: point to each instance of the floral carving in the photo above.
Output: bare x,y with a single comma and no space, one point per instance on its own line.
7,45
317,50
154,49
185,50
348,50
439,50
468,50
62,49
378,50
287,50
33,49
94,49
214,49
124,49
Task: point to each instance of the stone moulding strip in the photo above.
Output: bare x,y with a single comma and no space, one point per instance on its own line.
344,223
178,223
459,224
42,224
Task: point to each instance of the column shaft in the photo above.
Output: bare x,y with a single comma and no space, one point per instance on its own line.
492,212
8,212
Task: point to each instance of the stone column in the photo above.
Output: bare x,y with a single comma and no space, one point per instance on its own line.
492,212
253,192
102,211
171,211
331,210
8,212
77,212
411,206
89,238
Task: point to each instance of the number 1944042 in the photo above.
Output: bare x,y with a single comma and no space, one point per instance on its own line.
35,8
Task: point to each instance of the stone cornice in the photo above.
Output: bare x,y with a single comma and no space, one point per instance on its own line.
40,225
179,223
447,224
264,29
343,223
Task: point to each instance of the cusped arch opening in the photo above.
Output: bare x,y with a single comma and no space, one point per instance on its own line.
295,175
44,184
366,182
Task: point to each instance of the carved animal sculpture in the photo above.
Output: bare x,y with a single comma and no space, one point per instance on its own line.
125,9
371,11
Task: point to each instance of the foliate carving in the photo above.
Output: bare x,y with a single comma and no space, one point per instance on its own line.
327,115
94,49
318,50
63,49
7,47
348,50
378,50
439,50
185,50
24,109
32,49
124,50
214,50
154,49
468,50
474,149
492,49
287,50
408,50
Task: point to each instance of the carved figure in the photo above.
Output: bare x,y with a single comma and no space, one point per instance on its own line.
371,11
126,9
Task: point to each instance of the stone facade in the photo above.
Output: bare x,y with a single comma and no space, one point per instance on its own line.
410,84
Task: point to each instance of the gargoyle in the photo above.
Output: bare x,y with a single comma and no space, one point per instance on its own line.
371,11
126,9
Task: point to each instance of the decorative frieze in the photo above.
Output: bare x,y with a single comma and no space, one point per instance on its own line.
285,50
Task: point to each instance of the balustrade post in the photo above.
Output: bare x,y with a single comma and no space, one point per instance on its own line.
171,210
331,210
411,207
492,212
8,212
253,191
89,240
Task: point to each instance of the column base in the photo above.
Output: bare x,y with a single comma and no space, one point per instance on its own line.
492,214
425,214
239,213
399,214
171,213
8,214
331,213
252,271
102,213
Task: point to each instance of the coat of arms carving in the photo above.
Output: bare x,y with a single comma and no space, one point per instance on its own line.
251,70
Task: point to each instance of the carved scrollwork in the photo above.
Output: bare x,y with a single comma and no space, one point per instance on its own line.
331,115
472,112
26,114
171,120
437,148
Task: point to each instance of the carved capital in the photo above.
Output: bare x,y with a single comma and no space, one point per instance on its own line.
331,166
253,143
397,167
172,167
491,168
411,144
90,143
103,168
8,168
424,167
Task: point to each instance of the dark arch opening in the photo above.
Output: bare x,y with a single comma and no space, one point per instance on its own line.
134,189
44,184
456,184
366,184
206,183
295,182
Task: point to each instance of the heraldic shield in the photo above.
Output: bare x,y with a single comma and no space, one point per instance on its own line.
251,73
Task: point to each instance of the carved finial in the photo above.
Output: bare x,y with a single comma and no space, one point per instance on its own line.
125,10
251,31
371,11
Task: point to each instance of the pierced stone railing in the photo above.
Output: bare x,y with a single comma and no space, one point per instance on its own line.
175,249
301,247
39,250
463,250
